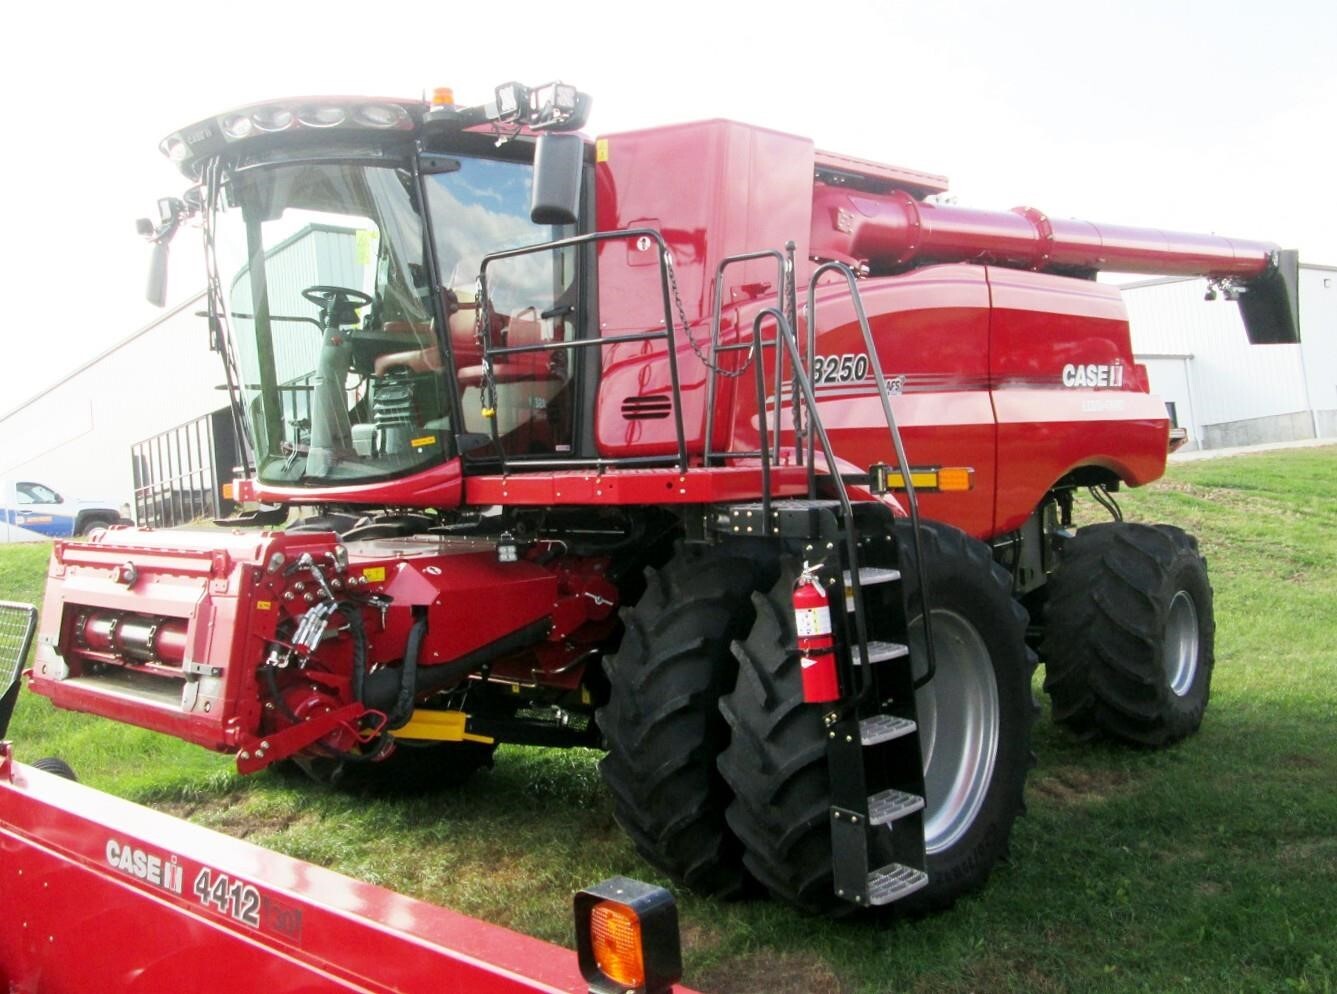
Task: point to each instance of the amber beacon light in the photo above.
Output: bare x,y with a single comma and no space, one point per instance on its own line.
627,937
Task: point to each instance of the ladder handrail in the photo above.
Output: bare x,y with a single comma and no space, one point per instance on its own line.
912,498
785,336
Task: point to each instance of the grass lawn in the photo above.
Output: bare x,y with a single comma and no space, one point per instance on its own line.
1211,866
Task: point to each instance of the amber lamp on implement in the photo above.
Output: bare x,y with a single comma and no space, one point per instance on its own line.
627,937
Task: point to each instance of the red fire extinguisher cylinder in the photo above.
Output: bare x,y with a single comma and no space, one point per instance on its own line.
816,645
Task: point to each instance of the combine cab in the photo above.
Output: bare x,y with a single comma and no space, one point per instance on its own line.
738,458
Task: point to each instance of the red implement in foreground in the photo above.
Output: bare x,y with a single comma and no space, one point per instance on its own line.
103,895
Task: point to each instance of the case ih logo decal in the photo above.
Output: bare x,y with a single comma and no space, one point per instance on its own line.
161,871
1093,375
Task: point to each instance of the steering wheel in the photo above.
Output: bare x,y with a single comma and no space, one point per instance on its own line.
322,295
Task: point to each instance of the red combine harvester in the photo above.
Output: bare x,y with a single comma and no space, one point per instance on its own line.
743,460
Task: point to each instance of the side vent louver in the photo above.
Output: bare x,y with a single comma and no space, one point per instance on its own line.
654,408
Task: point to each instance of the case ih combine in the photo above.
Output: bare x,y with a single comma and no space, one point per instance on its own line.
597,444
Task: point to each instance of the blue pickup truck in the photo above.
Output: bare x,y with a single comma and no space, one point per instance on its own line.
34,512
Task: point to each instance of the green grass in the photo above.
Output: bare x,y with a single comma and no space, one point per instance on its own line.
1211,866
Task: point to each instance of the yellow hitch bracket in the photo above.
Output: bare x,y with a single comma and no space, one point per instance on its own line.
439,726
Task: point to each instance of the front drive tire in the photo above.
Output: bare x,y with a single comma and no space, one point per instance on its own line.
975,727
1129,643
662,724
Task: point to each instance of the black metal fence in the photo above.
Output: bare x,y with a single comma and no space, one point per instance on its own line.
180,473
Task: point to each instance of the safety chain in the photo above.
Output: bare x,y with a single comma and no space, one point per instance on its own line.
687,330
487,393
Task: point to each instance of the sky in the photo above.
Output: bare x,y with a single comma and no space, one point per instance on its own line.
1212,116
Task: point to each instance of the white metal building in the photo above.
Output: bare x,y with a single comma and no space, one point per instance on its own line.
1225,391
75,435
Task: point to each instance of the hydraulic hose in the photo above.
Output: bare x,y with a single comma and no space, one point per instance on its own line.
408,677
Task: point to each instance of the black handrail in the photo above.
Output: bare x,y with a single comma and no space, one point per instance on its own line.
785,335
784,267
665,261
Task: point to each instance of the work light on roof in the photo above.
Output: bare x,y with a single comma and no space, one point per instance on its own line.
379,115
322,115
272,118
237,126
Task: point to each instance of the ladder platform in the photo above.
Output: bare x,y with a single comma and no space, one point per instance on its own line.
893,882
880,652
884,728
886,806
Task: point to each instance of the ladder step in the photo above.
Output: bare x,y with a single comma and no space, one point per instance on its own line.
893,882
884,728
886,806
880,652
869,576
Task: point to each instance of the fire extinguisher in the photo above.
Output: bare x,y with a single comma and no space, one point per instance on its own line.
816,646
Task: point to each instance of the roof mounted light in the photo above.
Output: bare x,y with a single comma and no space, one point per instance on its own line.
322,115
380,115
272,118
550,107
176,149
237,126
191,147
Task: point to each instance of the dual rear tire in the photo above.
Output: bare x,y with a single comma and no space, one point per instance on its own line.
719,770
1129,641
975,719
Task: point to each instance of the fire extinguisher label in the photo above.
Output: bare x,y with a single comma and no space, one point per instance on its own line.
813,621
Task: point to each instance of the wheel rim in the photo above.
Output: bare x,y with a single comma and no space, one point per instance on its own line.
1181,644
958,716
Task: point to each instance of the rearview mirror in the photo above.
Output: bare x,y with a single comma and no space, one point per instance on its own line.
171,211
559,160
156,292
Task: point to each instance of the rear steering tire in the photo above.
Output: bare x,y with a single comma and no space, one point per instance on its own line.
662,724
1129,646
975,724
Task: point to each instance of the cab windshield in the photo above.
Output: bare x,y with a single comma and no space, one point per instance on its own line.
322,271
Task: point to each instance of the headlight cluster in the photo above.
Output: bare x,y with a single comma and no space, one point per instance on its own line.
280,117
210,135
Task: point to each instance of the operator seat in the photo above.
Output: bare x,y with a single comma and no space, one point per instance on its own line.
524,328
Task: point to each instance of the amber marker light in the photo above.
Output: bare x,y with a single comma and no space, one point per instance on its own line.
443,96
939,479
615,938
956,479
627,937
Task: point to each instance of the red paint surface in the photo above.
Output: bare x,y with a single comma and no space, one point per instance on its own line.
75,923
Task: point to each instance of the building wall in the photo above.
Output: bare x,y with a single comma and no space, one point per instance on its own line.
76,435
1238,393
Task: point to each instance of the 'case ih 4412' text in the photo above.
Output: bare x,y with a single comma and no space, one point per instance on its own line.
597,443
